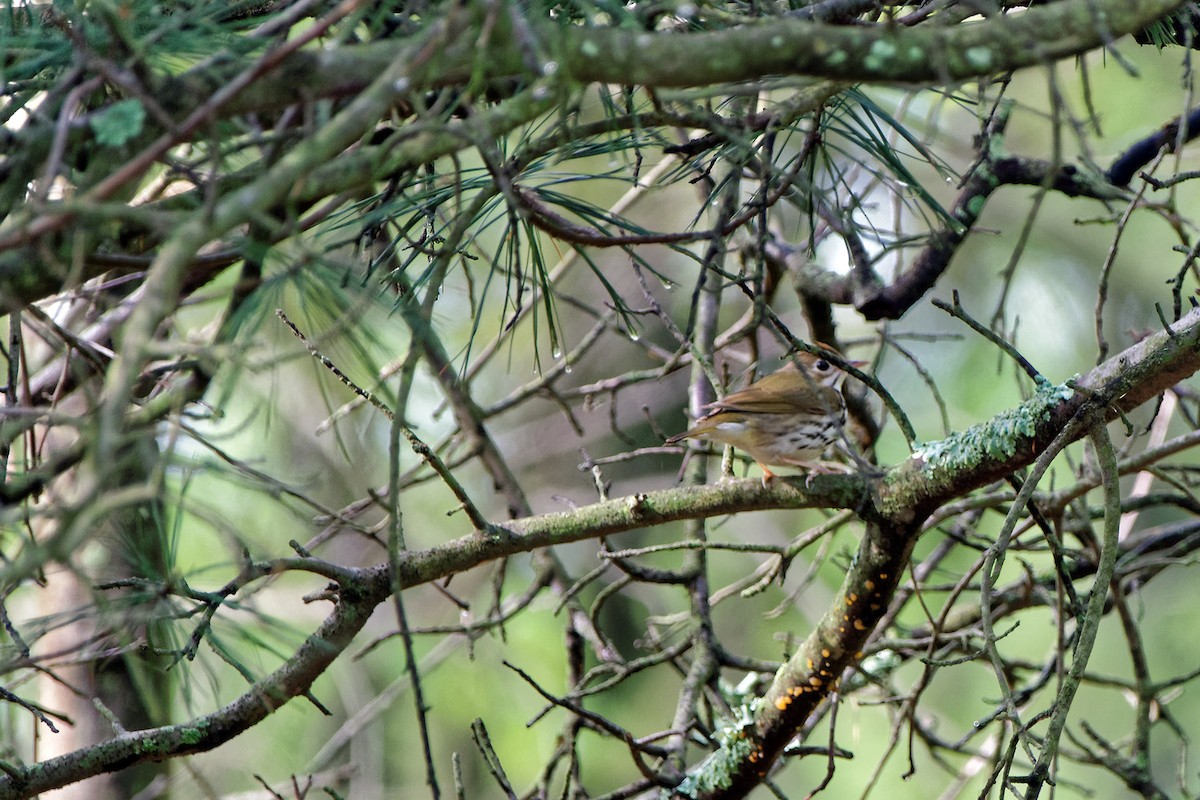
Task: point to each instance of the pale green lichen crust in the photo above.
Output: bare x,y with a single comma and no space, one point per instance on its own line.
718,770
997,438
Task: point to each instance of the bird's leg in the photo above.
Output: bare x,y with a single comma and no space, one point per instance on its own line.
767,475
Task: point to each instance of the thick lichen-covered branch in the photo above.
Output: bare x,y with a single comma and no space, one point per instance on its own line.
813,671
575,56
884,53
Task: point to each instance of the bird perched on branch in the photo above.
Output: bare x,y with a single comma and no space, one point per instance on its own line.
786,419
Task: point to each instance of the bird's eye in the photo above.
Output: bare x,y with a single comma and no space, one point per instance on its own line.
822,365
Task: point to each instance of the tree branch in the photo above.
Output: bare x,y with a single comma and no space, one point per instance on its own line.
883,53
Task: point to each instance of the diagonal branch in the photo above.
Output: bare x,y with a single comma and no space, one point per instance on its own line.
901,502
292,679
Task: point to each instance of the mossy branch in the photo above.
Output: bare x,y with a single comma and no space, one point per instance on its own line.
444,57
875,54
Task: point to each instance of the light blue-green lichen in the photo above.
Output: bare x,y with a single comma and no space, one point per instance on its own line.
997,438
876,668
718,770
979,58
742,699
879,55
975,205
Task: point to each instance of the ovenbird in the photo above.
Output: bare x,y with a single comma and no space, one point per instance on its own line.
786,419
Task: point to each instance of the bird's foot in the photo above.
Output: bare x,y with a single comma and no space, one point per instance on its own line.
815,468
828,468
767,477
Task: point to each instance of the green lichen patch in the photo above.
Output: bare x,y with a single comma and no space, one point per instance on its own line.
979,58
719,769
998,437
880,55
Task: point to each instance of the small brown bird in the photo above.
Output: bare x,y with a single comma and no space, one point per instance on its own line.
786,419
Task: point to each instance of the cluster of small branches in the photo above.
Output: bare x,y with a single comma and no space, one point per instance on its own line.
419,196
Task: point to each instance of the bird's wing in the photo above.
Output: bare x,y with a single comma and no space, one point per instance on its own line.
779,393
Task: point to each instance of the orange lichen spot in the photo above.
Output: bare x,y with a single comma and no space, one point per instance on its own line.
815,681
858,625
810,664
883,576
783,702
874,606
870,584
796,691
852,597
859,654
825,652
